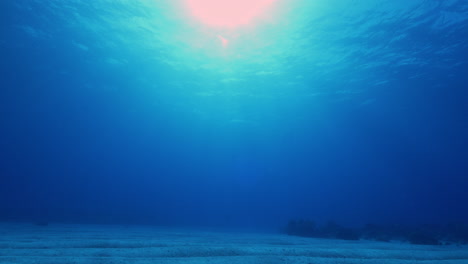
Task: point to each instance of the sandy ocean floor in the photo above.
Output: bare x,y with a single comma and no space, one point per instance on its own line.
67,244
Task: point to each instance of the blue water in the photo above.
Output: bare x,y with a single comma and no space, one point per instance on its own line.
133,112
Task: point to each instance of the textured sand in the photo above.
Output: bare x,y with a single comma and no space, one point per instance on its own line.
65,244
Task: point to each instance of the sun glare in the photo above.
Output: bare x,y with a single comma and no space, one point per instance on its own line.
227,13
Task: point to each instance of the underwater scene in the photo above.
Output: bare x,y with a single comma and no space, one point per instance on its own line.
233,131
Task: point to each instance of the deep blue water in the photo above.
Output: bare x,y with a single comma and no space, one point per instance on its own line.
133,112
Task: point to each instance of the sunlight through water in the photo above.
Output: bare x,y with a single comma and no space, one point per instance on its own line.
227,13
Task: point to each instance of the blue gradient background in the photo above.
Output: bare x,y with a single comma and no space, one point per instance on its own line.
132,112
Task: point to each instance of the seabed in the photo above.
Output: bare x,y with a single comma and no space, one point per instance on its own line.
83,244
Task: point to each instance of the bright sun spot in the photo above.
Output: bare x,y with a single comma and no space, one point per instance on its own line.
227,13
